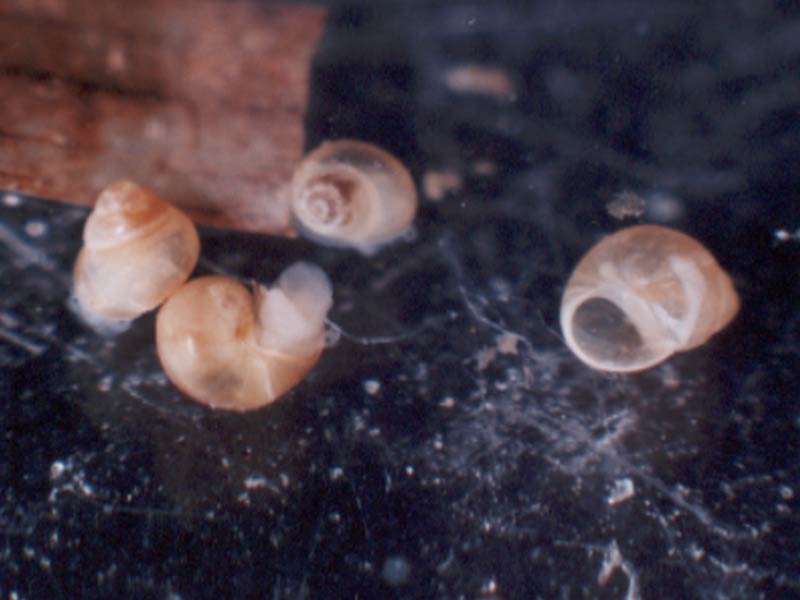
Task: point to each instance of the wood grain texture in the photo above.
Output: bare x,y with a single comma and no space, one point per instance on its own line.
200,100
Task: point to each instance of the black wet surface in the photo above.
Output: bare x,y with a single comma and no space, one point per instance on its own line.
448,445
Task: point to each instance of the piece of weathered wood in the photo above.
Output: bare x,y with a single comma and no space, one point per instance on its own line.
200,100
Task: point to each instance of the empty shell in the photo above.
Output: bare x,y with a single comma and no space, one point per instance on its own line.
641,295
137,250
351,193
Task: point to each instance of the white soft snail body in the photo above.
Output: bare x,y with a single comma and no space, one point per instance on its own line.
642,294
351,193
233,350
137,250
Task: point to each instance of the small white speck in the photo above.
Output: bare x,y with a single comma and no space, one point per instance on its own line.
409,470
335,517
57,470
335,473
35,229
490,587
372,386
622,490
85,488
254,482
786,492
11,200
105,383
447,402
782,235
696,552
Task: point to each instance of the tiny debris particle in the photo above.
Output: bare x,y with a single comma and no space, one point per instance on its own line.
437,184
696,552
507,343
85,488
35,229
57,469
11,200
372,386
782,235
484,357
483,80
447,402
622,490
625,205
613,560
786,492
105,384
254,482
490,587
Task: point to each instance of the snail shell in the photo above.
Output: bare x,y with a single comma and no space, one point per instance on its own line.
233,350
137,250
351,193
641,295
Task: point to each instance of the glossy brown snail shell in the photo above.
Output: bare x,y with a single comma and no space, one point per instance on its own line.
355,194
642,294
137,250
233,350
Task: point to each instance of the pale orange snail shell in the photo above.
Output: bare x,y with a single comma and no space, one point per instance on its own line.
233,350
352,193
137,250
641,295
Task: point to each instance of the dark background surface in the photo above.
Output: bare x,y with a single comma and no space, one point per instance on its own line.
448,445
